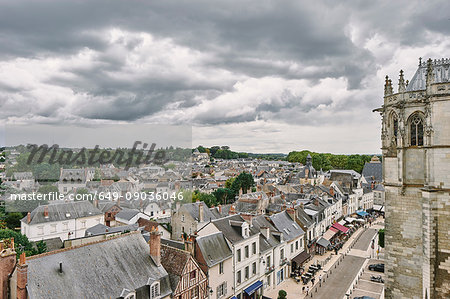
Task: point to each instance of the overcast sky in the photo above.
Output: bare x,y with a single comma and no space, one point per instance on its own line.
259,76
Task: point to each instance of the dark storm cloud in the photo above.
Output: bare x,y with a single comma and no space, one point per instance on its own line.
207,63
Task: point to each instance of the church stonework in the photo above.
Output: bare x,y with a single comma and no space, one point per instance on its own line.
416,173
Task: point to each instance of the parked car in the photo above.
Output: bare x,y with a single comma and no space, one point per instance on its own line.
377,267
363,297
376,278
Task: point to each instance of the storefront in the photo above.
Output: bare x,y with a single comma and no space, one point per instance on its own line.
254,291
298,261
322,246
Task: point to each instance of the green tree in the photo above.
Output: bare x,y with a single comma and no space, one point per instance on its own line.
381,238
229,182
224,195
13,220
209,199
243,181
46,189
282,294
41,246
21,241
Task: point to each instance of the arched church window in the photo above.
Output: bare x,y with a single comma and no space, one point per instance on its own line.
416,130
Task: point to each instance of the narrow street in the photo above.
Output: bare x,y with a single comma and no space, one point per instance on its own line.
345,273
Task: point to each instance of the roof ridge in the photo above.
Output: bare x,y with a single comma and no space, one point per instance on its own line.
182,250
79,246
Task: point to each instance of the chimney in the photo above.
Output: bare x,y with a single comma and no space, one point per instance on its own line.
331,191
200,212
248,218
96,203
155,246
240,192
7,264
219,208
301,189
28,217
265,231
291,213
316,202
22,277
46,211
189,244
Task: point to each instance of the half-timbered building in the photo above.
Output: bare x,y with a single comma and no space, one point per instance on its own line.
187,279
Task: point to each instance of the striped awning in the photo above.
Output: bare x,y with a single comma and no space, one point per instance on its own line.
329,234
340,227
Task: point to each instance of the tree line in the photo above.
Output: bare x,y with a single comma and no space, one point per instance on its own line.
327,161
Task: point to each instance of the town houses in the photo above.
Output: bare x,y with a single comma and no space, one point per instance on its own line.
237,246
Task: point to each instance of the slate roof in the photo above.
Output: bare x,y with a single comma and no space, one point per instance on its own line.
73,175
440,70
101,229
23,175
284,223
373,172
172,243
192,209
303,217
214,248
96,270
127,214
225,211
271,242
60,211
233,233
104,206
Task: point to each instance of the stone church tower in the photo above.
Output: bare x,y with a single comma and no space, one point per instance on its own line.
416,172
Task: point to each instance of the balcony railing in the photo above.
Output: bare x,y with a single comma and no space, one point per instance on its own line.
283,261
270,269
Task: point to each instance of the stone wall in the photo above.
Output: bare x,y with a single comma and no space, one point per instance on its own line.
403,243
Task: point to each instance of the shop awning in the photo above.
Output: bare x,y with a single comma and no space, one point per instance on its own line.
251,289
324,242
377,207
329,234
350,219
301,258
340,227
362,213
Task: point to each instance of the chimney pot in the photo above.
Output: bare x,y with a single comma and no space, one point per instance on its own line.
28,217
46,211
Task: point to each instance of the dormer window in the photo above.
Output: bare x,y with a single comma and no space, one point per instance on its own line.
245,230
154,290
131,296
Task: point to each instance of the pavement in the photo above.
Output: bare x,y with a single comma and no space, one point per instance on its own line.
345,270
340,278
366,287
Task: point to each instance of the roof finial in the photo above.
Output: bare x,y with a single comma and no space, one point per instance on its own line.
401,83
